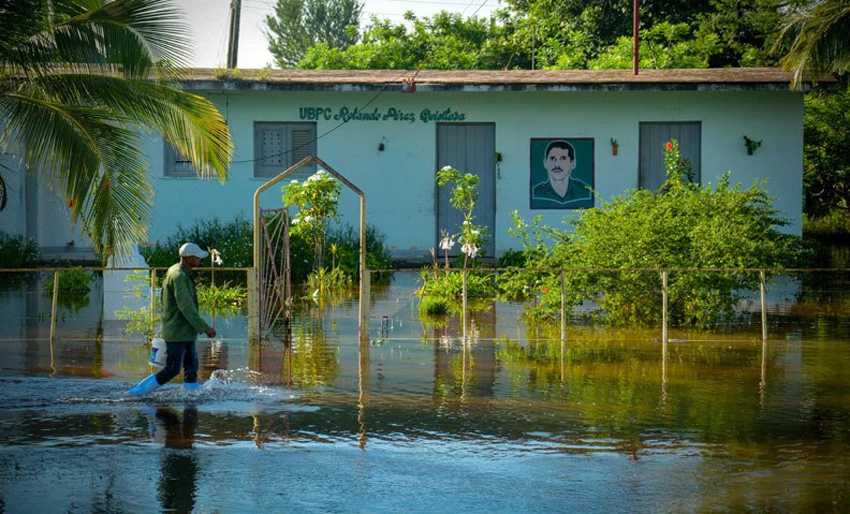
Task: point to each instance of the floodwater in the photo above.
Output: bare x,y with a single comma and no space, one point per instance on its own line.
420,419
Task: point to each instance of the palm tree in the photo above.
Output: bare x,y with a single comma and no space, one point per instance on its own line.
79,82
820,39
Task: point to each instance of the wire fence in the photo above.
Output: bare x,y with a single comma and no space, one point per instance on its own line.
34,301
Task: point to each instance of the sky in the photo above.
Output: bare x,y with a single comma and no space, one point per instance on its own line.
210,22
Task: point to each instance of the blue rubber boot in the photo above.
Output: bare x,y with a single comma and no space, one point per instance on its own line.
190,387
148,385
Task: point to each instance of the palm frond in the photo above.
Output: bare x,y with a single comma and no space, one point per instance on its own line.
79,81
819,39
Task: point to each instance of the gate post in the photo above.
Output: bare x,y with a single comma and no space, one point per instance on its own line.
253,304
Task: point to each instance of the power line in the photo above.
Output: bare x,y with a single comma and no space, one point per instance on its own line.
340,124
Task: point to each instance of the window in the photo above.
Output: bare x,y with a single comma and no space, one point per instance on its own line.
653,136
277,146
176,165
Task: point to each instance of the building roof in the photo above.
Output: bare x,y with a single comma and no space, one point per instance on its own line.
710,79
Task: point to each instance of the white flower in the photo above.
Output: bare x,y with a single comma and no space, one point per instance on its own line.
446,168
447,243
294,181
216,256
470,249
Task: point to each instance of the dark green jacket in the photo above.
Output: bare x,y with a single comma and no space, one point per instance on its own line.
578,195
180,318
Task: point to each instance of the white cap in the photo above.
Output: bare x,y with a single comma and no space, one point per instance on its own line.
192,250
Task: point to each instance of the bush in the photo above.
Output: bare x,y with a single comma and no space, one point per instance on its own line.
344,248
18,251
614,254
73,282
833,226
234,240
684,226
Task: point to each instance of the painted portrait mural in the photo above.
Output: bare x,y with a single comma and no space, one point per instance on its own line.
561,173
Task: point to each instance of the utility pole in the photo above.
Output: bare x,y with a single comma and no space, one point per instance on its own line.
233,42
635,36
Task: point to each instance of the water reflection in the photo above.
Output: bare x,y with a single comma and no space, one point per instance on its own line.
178,482
720,421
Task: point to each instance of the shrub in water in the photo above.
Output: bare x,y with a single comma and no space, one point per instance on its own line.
233,239
17,251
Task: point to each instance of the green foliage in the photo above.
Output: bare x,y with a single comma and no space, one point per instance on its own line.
614,255
139,321
316,200
233,239
18,251
433,306
449,283
79,81
74,282
222,299
816,34
344,247
575,34
662,46
826,161
525,281
464,196
299,24
743,31
833,226
445,41
326,282
436,282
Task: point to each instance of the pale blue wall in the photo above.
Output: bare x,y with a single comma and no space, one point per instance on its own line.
399,182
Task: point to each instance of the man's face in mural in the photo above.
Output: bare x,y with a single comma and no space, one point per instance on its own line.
559,165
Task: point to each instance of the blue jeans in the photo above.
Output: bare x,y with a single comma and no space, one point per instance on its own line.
179,353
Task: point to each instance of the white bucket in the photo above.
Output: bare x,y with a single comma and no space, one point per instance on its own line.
158,352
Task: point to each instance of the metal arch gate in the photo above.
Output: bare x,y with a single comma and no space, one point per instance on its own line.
273,274
271,281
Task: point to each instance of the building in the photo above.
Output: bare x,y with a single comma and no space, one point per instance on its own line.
389,131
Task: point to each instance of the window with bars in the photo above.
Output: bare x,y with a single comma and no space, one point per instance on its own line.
176,165
277,146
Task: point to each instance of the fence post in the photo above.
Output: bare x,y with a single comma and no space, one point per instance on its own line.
763,307
364,304
664,307
464,305
563,308
54,305
254,302
664,326
152,303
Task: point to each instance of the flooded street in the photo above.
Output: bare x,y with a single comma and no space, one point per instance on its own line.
422,420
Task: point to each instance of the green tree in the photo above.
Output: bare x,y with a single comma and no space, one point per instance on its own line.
826,162
79,80
566,34
744,30
819,35
445,41
662,46
299,24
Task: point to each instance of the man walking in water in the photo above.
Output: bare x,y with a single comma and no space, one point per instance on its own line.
181,323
